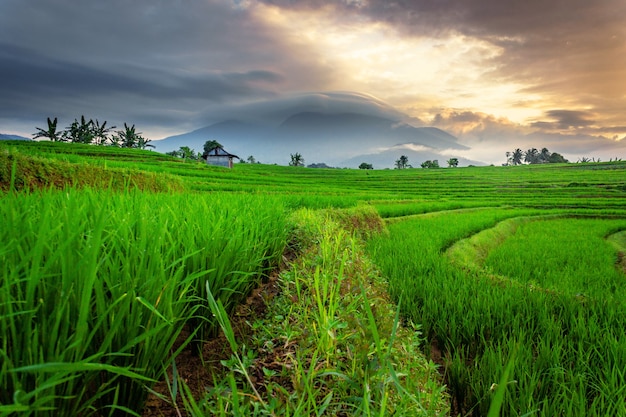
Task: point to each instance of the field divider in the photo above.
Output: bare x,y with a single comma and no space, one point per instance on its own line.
331,342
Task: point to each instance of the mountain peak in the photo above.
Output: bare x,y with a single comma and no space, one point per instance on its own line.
326,127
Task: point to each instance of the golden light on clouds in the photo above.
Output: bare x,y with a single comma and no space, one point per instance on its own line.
452,72
492,73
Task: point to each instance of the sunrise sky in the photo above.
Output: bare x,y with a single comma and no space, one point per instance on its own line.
496,74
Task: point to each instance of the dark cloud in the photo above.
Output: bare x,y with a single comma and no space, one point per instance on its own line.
159,62
278,109
178,64
33,83
565,120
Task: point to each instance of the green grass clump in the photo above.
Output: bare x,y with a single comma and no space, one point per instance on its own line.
96,286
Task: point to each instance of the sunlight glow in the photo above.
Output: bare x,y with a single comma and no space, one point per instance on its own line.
455,72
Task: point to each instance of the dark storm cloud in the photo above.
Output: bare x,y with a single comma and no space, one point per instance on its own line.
149,61
565,120
173,64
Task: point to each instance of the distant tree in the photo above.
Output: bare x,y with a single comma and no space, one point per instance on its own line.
319,165
296,160
516,156
430,164
175,154
129,137
531,156
80,131
402,162
115,140
544,156
251,159
51,133
143,143
365,165
584,160
186,152
101,132
209,145
453,162
557,158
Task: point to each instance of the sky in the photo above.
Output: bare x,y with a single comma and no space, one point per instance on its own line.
496,74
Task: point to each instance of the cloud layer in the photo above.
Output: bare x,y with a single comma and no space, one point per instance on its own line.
493,73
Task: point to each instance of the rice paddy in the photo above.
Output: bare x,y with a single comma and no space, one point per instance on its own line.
520,266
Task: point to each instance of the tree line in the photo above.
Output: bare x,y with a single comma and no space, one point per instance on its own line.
534,156
403,163
92,132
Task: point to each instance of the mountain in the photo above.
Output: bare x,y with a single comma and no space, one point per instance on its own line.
12,137
331,129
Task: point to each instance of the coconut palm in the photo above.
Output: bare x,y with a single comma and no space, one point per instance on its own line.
531,156
296,160
516,157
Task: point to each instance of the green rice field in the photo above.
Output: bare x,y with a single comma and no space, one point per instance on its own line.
109,260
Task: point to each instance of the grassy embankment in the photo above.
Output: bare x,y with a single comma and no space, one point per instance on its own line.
475,302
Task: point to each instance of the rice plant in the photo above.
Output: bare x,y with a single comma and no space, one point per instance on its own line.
97,286
568,344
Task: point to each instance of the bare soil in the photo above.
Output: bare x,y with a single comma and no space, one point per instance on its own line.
198,370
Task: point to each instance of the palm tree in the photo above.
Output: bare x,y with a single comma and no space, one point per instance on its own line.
544,155
453,162
531,156
296,160
51,133
516,157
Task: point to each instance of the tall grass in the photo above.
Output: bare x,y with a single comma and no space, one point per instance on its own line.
564,255
96,287
570,349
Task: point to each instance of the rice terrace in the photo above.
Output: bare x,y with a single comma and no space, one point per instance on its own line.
137,283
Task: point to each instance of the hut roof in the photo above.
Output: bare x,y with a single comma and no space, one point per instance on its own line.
219,151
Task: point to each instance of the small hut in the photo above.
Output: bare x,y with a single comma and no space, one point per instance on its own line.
219,157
